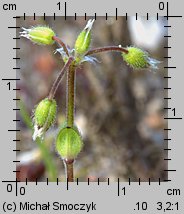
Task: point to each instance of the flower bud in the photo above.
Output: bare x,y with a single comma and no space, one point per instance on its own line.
139,59
44,117
84,39
41,35
69,143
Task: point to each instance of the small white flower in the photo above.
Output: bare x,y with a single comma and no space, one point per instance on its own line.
90,59
89,25
25,33
38,132
153,63
63,53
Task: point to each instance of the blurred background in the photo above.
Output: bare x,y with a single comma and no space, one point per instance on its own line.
118,111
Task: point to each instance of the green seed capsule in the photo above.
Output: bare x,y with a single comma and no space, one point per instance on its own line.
44,116
84,39
69,143
139,59
41,35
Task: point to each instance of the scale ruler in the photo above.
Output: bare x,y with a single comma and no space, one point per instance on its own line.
161,196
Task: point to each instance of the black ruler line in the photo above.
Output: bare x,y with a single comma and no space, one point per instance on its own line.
167,10
173,118
13,27
118,186
16,192
65,10
67,184
10,79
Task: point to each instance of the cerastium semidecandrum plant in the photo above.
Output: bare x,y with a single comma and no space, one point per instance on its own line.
69,141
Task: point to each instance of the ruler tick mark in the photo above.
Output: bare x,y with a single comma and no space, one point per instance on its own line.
16,187
167,10
169,67
14,27
118,186
108,181
139,181
10,79
174,16
65,10
173,118
67,184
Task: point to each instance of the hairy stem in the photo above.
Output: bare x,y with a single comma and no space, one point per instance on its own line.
70,99
59,78
61,43
70,96
69,170
105,49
